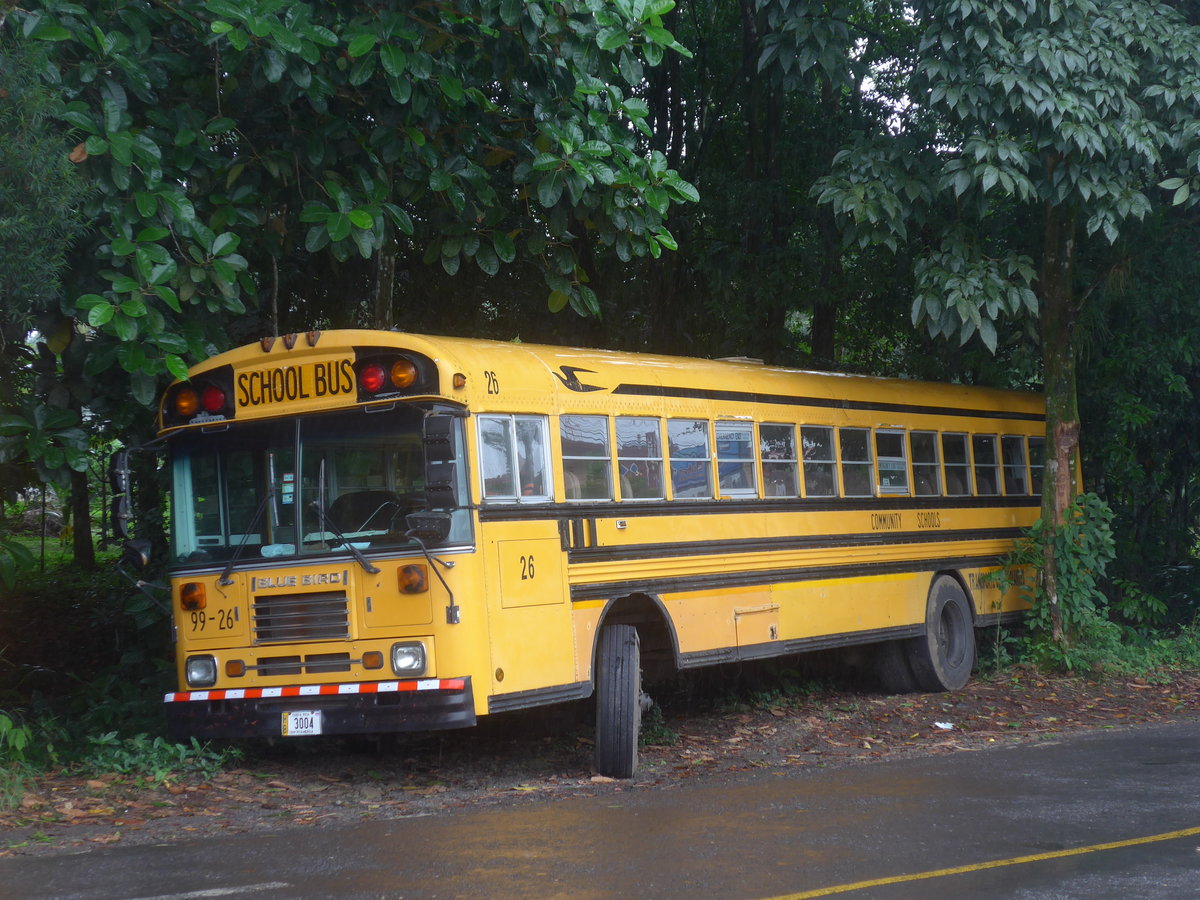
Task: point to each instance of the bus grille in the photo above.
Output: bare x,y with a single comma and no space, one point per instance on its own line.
314,664
281,619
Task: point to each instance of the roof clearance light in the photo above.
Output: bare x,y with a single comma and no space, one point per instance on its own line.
404,373
187,402
212,398
372,378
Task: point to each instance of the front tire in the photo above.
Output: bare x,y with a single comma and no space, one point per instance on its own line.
618,701
942,658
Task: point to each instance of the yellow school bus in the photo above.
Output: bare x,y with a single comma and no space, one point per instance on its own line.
377,531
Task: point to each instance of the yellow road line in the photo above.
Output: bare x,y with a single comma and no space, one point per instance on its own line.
994,864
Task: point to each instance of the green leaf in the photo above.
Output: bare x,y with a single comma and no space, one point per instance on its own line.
361,218
360,44
505,247
144,388
223,243
557,301
338,225
612,38
487,260
394,60
134,307
100,314
176,366
550,188
399,217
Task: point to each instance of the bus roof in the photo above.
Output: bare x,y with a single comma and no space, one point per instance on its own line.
298,374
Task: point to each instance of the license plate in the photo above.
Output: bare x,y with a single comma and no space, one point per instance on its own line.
299,722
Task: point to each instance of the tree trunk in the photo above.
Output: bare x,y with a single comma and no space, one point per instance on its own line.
1055,287
385,283
81,522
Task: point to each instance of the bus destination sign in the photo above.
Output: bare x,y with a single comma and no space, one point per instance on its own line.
284,384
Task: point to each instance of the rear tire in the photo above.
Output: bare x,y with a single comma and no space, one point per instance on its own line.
618,701
892,667
942,658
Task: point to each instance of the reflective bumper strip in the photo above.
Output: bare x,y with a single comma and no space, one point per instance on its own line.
312,690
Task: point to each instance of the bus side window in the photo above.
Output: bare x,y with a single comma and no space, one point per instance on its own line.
1012,451
514,457
890,462
820,466
533,457
856,462
587,463
777,444
691,471
735,459
958,468
1037,463
640,457
926,475
496,458
987,466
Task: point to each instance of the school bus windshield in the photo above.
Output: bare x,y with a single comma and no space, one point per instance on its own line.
308,486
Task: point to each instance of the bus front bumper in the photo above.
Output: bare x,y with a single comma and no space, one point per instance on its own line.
370,708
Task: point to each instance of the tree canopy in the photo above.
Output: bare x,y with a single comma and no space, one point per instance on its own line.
936,189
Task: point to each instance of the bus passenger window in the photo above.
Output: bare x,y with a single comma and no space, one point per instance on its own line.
496,457
927,480
987,466
890,462
958,469
639,457
513,457
1012,450
587,465
691,473
532,457
1037,462
820,467
856,462
777,444
735,459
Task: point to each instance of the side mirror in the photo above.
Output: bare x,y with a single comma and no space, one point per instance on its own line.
118,472
118,480
121,515
441,474
428,527
137,553
439,439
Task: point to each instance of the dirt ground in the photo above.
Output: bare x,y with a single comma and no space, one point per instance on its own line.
508,760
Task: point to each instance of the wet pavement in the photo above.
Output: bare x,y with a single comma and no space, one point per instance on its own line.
1106,814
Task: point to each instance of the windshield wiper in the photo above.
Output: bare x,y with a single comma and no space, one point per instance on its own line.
237,552
326,524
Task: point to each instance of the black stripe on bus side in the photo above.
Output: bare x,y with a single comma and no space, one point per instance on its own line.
654,390
696,658
630,509
684,583
618,552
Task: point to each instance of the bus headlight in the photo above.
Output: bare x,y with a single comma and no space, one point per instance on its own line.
408,658
200,671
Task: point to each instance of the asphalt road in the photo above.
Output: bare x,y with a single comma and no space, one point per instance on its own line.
1109,814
